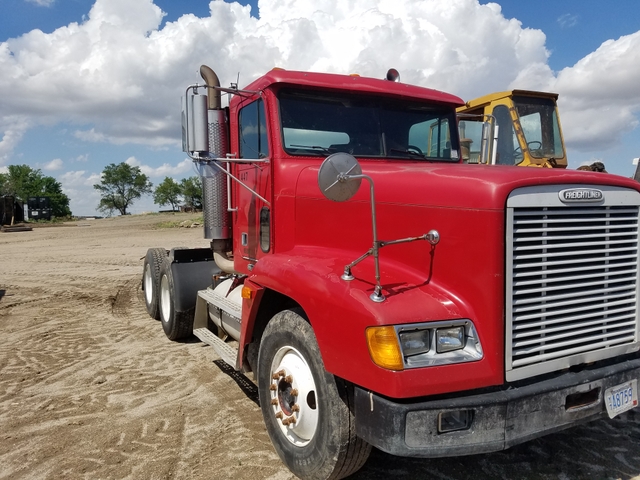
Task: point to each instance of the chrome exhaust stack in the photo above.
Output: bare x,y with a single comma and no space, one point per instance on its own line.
214,181
205,138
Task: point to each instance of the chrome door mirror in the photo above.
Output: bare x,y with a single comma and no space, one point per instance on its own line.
339,177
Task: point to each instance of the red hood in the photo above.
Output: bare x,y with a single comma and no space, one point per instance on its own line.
456,185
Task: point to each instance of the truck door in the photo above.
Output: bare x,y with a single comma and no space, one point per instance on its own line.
252,225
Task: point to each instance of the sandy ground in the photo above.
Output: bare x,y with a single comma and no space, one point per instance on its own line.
91,388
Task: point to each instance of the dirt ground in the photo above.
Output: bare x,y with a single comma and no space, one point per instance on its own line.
90,387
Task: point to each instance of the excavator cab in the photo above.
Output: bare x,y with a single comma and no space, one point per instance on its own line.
517,127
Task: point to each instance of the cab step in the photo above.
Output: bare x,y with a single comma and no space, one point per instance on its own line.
225,351
214,298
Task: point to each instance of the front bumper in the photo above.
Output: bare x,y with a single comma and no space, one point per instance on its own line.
501,419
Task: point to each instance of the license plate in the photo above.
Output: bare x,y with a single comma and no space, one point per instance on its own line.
621,398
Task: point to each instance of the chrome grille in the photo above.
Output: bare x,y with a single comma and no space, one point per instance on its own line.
573,290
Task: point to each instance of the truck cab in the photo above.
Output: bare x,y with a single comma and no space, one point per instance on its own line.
386,293
299,119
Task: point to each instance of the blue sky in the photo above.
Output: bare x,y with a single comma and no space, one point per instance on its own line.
575,28
86,83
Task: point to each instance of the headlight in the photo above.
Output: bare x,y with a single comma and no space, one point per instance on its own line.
414,342
449,339
439,343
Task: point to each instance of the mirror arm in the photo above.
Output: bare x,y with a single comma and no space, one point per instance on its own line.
377,295
332,173
347,269
427,236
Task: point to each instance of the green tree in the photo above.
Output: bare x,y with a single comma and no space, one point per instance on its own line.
192,191
23,182
120,186
4,184
167,193
59,201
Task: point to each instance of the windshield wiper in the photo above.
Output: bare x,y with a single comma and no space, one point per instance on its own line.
326,150
411,153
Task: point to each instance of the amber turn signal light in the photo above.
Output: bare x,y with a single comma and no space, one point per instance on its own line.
384,348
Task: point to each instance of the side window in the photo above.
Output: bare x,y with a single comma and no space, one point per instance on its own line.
432,138
265,229
471,138
532,127
253,131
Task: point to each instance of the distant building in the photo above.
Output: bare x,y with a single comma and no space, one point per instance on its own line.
11,210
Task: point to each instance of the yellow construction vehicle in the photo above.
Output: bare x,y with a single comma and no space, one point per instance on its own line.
517,127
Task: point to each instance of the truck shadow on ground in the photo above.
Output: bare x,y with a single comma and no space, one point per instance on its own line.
247,386
604,449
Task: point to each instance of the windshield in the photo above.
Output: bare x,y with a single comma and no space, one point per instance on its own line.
321,123
540,126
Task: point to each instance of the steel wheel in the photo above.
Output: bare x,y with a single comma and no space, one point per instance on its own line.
165,299
293,396
305,408
148,284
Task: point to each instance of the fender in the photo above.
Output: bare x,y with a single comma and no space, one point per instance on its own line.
340,311
192,270
251,297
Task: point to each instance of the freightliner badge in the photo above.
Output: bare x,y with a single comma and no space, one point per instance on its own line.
579,195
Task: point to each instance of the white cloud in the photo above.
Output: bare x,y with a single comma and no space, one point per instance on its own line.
42,3
78,178
78,186
117,76
90,136
121,74
599,96
12,129
4,169
567,20
182,169
121,138
55,164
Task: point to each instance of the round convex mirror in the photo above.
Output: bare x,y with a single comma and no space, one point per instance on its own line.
330,182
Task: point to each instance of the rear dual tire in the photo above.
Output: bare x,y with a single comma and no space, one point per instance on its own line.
151,280
176,325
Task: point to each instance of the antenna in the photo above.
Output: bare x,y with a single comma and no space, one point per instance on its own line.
234,86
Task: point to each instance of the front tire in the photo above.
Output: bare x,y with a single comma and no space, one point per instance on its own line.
176,325
305,408
151,280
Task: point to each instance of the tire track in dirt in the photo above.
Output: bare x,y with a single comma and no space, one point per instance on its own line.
125,298
135,408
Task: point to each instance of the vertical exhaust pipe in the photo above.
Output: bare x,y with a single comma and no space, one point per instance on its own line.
211,79
214,181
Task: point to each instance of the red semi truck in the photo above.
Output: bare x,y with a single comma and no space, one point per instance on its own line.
440,309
